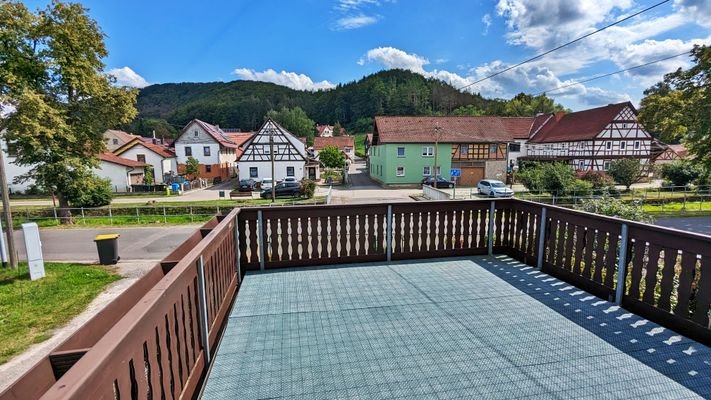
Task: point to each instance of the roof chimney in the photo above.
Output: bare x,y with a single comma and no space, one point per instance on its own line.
559,115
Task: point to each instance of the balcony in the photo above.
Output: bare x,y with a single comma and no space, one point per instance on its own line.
470,299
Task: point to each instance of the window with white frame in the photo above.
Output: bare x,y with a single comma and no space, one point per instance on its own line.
636,144
265,149
253,172
401,152
400,171
188,151
608,145
426,170
606,165
290,171
206,151
428,151
623,145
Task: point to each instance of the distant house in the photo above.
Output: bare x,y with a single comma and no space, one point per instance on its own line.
215,150
344,143
160,157
590,139
289,154
367,142
120,171
324,130
667,153
404,149
116,138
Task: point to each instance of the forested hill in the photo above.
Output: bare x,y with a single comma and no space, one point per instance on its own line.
166,108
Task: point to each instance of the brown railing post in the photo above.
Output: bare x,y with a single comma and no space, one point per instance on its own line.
490,235
622,265
541,238
260,238
238,267
389,234
202,304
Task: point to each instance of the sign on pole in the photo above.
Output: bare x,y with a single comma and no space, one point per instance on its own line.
455,172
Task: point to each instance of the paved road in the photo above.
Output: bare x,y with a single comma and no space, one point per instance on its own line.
358,176
135,244
692,224
365,190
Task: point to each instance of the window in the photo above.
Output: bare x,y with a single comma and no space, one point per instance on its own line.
427,151
514,147
608,145
188,151
346,149
581,164
208,168
265,149
400,171
206,151
623,145
636,144
141,158
289,171
196,133
426,170
253,172
606,165
401,152
464,150
439,170
493,147
115,141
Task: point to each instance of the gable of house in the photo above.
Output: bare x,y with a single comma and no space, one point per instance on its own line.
286,146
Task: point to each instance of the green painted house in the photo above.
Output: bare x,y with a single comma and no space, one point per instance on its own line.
405,150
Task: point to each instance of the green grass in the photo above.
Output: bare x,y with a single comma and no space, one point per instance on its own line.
31,310
359,145
679,209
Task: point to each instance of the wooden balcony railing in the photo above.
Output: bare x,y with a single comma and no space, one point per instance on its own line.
161,347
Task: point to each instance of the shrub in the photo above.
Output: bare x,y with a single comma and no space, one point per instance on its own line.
555,178
598,179
332,157
309,188
681,173
612,207
625,171
532,179
90,191
579,187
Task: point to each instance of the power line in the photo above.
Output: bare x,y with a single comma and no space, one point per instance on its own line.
563,45
611,73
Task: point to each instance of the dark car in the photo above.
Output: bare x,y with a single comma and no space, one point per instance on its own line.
247,185
285,189
441,182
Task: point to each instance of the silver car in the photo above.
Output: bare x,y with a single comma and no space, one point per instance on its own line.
493,188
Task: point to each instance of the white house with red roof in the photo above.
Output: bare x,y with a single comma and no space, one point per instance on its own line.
122,172
215,150
590,139
158,156
273,142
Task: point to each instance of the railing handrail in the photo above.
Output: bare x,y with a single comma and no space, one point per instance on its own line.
84,371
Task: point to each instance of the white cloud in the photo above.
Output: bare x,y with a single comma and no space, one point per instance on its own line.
127,77
355,21
698,10
348,5
284,78
391,58
486,20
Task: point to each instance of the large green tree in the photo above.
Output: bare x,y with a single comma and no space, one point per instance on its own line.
678,108
295,121
60,101
625,171
332,157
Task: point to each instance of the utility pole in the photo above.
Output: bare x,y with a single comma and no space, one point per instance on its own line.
7,212
271,155
436,132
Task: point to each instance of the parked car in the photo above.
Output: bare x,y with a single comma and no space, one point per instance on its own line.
289,179
493,188
441,182
247,185
284,189
266,184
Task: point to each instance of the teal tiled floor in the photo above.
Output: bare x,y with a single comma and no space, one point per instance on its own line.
458,328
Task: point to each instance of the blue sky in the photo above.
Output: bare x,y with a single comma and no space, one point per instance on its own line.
312,44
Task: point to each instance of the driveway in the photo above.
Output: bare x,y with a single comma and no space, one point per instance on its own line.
692,224
365,190
358,176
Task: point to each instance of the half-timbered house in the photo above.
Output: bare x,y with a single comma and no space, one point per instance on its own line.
591,139
272,141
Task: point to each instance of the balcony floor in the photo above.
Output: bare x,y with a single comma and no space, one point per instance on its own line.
475,327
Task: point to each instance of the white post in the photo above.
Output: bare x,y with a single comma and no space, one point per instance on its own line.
491,228
622,266
260,236
202,305
389,235
541,237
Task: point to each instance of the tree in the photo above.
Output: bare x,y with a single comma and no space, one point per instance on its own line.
295,121
192,167
332,157
337,129
625,171
612,207
525,105
681,172
90,191
469,110
362,125
148,175
51,76
679,106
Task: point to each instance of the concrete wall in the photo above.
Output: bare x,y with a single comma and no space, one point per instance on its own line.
431,193
495,170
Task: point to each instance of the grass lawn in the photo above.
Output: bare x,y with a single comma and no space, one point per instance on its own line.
31,310
679,209
359,145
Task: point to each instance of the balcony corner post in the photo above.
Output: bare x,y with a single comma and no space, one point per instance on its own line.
622,265
238,267
541,238
490,236
260,238
389,235
202,304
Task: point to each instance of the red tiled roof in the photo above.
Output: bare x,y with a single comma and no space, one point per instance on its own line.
581,125
114,159
679,149
125,136
321,128
165,142
338,141
421,129
519,127
161,150
239,138
213,131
